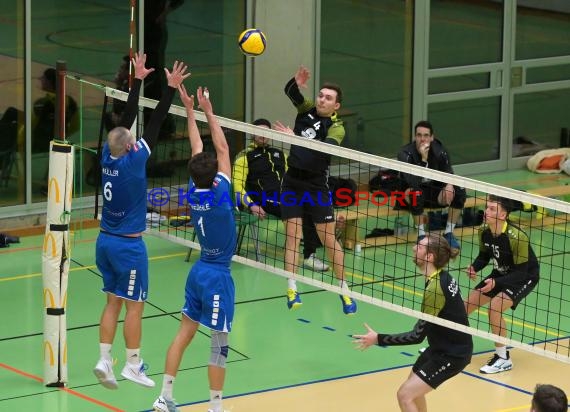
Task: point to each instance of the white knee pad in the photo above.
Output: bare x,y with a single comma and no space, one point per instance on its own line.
219,349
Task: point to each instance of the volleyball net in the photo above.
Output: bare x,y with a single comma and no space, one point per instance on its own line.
375,230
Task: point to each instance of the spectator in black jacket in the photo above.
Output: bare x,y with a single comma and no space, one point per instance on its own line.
429,152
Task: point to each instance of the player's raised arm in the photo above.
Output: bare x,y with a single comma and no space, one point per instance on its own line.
218,138
196,143
292,87
131,108
174,79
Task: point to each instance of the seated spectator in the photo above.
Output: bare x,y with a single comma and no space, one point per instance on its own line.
429,152
260,168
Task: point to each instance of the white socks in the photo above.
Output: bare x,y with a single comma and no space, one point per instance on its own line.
421,229
501,351
216,400
344,286
105,349
292,284
449,227
167,384
134,356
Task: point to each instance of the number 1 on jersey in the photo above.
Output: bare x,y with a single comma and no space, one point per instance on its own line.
201,224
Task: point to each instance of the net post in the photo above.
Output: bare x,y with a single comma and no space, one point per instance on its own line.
59,124
55,251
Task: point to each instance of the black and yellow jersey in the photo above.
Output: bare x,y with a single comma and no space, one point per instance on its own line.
259,169
442,298
310,125
510,251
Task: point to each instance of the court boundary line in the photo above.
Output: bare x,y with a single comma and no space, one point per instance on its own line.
354,375
64,389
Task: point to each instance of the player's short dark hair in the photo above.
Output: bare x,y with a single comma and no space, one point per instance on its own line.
506,204
549,398
336,88
424,123
203,168
262,122
439,247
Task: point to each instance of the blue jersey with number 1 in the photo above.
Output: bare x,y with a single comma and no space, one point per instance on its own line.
212,213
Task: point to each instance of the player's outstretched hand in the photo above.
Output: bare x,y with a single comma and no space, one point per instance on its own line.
282,128
187,100
365,341
302,77
178,74
139,62
204,100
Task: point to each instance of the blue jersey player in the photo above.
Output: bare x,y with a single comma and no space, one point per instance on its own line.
209,293
120,251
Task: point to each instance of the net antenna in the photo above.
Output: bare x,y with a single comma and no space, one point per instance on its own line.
382,271
132,35
132,38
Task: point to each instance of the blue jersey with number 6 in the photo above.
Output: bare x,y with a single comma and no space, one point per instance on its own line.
124,190
212,214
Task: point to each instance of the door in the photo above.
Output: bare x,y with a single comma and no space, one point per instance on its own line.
539,99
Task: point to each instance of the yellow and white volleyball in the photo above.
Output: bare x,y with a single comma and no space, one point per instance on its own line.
252,42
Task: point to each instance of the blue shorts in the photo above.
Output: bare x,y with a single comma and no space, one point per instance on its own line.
123,262
210,296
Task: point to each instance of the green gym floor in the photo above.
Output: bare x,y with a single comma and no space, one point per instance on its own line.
279,360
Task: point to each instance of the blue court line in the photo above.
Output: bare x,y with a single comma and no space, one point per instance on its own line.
329,328
355,375
295,385
352,376
496,383
371,372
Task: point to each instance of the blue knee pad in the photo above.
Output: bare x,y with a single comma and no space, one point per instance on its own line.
219,349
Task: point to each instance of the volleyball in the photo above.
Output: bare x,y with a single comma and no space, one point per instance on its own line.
252,42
